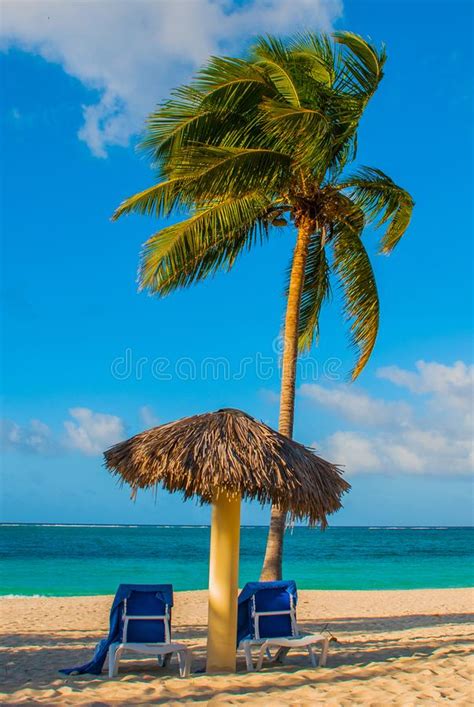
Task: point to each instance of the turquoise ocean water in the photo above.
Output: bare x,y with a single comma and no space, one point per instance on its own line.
63,560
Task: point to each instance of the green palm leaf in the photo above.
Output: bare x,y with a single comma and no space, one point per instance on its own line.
212,172
158,200
211,239
316,290
362,66
302,133
271,54
353,267
317,53
171,120
382,201
229,84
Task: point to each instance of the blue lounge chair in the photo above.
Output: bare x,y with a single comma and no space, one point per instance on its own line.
140,622
267,620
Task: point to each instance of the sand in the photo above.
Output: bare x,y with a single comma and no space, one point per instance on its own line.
395,648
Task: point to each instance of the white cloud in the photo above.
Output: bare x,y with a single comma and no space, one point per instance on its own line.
92,432
430,434
402,457
271,397
399,451
148,417
449,390
352,451
134,52
35,438
455,384
356,406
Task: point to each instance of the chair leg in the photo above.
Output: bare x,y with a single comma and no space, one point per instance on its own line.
280,655
324,653
248,657
184,661
111,655
164,660
188,663
312,657
115,653
261,655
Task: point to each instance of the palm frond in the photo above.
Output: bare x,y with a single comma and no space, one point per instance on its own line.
170,120
158,200
211,239
383,202
362,65
316,290
166,133
205,111
344,154
213,172
231,85
304,134
271,54
317,52
353,267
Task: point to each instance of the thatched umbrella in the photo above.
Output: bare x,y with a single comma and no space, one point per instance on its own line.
220,458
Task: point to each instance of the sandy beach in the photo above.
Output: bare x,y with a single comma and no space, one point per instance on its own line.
394,647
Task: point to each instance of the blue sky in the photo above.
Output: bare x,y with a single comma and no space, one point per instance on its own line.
86,360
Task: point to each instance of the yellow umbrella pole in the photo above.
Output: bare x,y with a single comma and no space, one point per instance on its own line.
223,584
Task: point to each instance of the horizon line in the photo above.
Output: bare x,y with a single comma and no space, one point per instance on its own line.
207,525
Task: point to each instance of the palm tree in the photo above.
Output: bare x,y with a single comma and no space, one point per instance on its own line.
260,143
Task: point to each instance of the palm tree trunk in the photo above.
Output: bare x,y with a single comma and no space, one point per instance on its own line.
272,564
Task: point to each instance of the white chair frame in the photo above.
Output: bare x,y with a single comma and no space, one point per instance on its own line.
163,651
283,644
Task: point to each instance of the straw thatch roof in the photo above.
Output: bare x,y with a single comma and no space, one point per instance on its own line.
229,450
